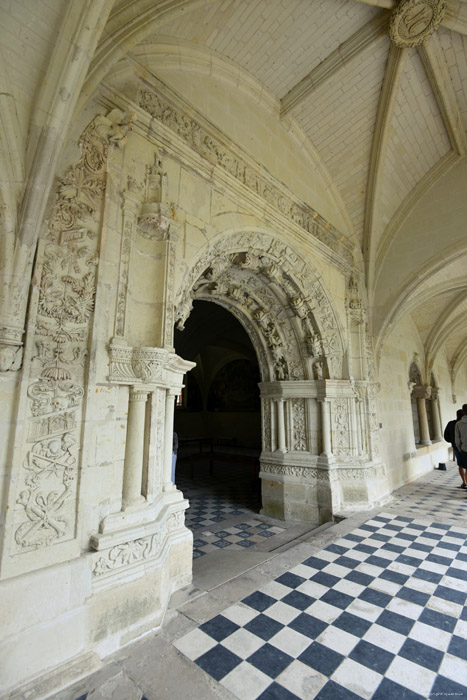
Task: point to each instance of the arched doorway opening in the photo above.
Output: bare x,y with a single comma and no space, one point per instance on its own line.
218,424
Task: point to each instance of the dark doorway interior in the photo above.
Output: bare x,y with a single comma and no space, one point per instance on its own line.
218,414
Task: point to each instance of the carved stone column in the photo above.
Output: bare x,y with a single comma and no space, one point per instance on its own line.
325,428
134,451
421,393
437,431
281,446
168,440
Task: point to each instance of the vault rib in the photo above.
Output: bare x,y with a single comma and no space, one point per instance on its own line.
340,57
438,74
378,149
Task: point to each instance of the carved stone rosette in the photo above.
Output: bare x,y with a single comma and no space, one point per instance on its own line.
47,483
414,21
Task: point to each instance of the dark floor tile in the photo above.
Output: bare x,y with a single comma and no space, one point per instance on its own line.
420,547
393,548
413,596
366,548
457,573
444,561
298,600
336,549
259,601
389,690
395,622
370,528
348,562
381,538
321,658
358,577
450,545
444,686
308,625
270,660
451,594
438,620
338,599
371,656
377,561
353,538
219,627
409,561
263,626
334,691
325,579
352,624
458,647
315,562
290,580
394,576
218,662
426,575
421,654
375,597
277,692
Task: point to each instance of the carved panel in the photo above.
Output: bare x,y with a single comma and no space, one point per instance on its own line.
47,483
340,427
299,425
414,21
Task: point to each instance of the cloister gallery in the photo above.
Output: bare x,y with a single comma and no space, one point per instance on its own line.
298,165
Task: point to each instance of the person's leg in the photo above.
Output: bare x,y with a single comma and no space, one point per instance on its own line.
462,470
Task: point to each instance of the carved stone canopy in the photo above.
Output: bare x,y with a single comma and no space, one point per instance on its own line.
414,21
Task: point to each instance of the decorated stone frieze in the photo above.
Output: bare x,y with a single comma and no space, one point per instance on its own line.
413,21
135,552
210,146
47,482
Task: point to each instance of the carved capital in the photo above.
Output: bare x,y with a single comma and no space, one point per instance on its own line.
154,222
11,348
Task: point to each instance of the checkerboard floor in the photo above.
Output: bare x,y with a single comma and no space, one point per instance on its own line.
380,614
242,536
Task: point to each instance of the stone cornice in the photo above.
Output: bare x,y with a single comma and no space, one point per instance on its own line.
159,108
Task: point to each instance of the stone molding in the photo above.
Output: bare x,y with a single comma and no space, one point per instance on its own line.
211,145
316,473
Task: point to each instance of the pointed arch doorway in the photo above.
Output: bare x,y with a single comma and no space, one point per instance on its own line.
218,420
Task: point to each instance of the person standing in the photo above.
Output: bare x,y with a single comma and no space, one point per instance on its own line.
461,437
450,436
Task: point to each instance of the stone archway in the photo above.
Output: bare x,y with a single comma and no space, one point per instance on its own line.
316,423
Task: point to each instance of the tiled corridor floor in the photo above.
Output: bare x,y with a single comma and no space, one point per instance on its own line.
373,607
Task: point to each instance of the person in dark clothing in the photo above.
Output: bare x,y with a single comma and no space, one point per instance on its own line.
450,436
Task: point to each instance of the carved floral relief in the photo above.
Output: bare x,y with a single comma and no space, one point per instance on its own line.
49,474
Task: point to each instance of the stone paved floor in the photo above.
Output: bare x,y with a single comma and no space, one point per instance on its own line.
373,607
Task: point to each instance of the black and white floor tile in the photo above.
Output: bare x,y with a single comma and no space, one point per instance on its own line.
379,614
242,536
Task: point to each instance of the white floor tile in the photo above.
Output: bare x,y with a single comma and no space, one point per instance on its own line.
411,675
324,611
439,639
246,682
357,678
349,587
385,638
403,607
444,606
313,589
338,640
336,570
282,612
301,680
366,610
195,643
290,641
454,668
243,643
382,584
275,590
239,613
461,629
